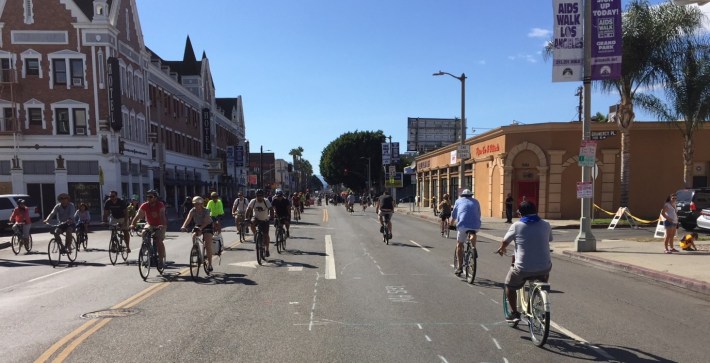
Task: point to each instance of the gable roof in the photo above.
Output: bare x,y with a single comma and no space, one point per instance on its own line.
228,105
87,7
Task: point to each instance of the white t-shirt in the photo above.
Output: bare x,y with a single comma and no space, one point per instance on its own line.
240,205
260,209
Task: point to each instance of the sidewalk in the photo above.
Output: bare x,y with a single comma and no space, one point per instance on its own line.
690,270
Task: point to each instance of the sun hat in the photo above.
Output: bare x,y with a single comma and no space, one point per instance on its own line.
466,193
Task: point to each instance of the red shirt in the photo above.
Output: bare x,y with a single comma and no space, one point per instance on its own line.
21,216
152,213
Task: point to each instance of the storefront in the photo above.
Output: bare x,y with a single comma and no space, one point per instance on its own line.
539,162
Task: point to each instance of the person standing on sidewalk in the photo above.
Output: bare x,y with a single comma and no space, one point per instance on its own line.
467,214
670,223
433,205
509,208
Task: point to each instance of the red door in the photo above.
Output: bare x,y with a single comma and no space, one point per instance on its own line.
529,190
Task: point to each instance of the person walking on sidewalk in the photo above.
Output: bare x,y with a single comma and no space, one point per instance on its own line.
467,214
670,223
509,208
433,205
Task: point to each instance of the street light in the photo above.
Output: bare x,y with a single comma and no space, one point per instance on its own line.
462,78
369,180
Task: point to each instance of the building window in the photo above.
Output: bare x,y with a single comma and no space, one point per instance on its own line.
29,14
59,67
5,70
62,121
77,72
32,67
34,115
79,121
102,68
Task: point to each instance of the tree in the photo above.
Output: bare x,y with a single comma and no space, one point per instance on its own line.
302,168
647,31
314,183
685,70
600,117
344,160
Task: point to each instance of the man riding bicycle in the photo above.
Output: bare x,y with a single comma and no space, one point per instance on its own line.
296,205
153,211
532,237
384,209
64,212
260,212
467,214
216,208
118,210
239,209
282,210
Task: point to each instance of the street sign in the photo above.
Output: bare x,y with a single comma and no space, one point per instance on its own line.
393,169
585,190
463,152
587,153
601,135
394,180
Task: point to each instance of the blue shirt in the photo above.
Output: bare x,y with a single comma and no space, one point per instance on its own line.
467,213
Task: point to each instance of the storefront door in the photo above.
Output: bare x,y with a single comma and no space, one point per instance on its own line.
529,190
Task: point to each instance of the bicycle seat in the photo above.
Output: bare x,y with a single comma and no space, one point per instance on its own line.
542,285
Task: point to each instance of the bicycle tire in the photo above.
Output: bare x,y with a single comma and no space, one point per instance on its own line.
205,263
16,244
54,252
507,311
259,240
28,244
471,265
279,240
539,319
113,248
283,242
71,255
195,262
124,249
456,261
242,237
144,261
80,240
159,265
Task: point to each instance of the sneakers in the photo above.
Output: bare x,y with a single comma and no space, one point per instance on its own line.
458,272
266,253
674,250
513,317
209,268
667,251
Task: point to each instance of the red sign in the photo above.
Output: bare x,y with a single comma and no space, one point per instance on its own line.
490,148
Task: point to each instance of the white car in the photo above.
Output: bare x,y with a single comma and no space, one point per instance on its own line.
8,202
704,219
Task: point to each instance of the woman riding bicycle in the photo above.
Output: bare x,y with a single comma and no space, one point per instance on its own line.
445,208
20,218
200,216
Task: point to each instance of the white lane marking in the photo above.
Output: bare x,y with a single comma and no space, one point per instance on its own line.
329,259
45,276
251,264
295,268
482,293
313,307
420,246
484,327
443,359
496,343
567,332
427,338
497,303
420,326
489,236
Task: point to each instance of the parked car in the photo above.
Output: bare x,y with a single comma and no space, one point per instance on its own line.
8,202
703,220
689,204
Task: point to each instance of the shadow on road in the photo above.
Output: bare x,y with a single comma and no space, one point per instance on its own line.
569,349
307,253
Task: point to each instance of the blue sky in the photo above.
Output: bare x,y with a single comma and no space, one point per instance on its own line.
311,70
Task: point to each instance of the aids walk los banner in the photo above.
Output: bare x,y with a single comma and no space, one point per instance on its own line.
568,50
606,39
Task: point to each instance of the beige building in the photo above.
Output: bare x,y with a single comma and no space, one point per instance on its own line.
539,162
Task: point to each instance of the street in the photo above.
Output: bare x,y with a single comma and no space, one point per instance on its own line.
364,301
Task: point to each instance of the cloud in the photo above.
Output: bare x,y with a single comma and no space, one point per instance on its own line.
482,62
539,33
523,57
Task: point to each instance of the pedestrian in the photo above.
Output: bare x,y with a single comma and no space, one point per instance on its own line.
687,243
509,208
433,205
445,208
670,223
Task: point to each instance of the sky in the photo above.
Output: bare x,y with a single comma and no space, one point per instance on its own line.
309,71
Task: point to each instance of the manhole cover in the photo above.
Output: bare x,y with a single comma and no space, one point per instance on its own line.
110,313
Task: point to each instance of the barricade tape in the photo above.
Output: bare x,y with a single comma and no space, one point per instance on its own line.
632,216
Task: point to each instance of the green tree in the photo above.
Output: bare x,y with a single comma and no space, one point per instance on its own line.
600,117
314,183
350,152
647,32
685,70
302,168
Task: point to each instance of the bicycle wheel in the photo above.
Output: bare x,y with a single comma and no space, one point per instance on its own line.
72,250
259,247
279,240
28,244
242,238
113,248
283,242
123,248
54,252
16,244
144,261
195,262
539,320
472,257
507,311
84,240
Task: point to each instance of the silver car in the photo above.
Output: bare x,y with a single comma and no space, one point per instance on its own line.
703,220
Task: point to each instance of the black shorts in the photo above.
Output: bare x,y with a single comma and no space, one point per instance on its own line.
444,216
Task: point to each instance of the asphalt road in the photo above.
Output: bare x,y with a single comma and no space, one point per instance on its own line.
364,301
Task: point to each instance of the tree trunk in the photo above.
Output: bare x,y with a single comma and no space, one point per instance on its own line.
688,152
625,118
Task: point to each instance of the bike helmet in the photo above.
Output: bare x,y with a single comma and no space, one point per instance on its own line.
279,192
20,201
214,194
260,192
197,200
153,192
135,197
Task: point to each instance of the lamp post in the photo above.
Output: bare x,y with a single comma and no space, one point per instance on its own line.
369,180
462,78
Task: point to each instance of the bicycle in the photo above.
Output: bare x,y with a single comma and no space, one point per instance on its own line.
18,240
117,244
446,228
534,307
280,235
81,237
260,248
470,259
148,254
296,214
138,231
384,229
197,255
241,224
55,247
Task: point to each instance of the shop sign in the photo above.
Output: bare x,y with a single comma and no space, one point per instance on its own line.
490,148
601,135
206,131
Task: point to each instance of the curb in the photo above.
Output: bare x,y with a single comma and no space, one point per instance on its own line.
680,281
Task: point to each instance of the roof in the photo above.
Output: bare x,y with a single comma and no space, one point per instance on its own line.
227,105
87,7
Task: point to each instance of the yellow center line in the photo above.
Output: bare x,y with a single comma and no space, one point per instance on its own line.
70,348
55,347
325,215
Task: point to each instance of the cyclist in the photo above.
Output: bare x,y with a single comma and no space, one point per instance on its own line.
445,208
116,208
153,211
216,208
384,209
532,237
239,208
467,213
20,218
363,201
295,204
282,210
260,212
200,216
351,202
132,208
82,217
64,213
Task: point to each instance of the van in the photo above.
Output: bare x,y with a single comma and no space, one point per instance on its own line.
8,202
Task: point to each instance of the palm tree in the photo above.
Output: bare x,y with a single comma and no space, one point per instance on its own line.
296,153
685,70
647,31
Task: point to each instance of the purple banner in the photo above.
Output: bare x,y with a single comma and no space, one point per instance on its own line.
606,39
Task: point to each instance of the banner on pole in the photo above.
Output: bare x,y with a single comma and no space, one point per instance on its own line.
606,39
568,50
